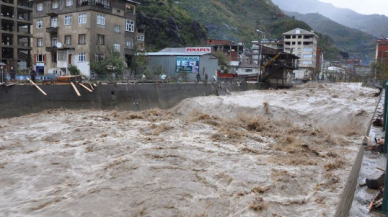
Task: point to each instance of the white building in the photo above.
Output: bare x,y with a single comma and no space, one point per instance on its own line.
303,44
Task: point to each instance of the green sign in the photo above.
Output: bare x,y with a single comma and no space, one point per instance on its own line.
188,64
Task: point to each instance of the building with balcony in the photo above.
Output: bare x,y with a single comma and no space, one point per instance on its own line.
79,32
15,34
303,44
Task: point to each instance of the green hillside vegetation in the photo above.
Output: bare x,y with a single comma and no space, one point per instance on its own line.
235,20
355,42
168,26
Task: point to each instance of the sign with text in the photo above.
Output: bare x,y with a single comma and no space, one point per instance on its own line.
188,64
199,49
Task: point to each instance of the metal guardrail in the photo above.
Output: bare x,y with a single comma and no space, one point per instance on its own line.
384,207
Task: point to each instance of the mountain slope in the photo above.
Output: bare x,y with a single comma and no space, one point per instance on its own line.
168,26
375,25
355,42
180,23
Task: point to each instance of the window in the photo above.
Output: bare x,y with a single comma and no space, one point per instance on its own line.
54,4
67,20
39,42
54,22
98,57
81,57
117,29
68,39
129,43
100,39
307,62
40,58
39,7
101,19
129,25
307,49
61,56
39,23
140,37
82,39
54,41
307,56
116,47
82,18
69,3
130,9
248,70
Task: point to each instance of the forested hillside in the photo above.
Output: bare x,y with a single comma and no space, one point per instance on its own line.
183,23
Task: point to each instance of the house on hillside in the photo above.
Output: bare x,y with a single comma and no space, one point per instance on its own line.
303,44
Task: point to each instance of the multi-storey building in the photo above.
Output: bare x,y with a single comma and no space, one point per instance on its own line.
382,50
303,44
15,33
78,32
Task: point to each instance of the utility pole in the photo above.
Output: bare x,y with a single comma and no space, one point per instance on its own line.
260,55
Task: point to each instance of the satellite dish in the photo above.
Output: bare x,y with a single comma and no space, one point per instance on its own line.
59,45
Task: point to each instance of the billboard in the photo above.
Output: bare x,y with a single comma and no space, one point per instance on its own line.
199,49
188,64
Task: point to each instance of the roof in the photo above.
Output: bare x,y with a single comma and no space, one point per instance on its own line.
180,51
299,31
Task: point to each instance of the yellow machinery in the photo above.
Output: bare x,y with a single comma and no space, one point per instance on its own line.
269,62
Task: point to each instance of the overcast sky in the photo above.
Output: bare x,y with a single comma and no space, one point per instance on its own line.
362,6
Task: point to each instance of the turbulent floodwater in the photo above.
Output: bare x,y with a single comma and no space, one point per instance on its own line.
255,153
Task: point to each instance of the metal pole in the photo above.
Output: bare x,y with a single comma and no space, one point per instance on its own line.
385,107
260,54
261,51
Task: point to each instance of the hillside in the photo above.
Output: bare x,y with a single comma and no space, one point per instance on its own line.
180,23
168,26
375,25
355,42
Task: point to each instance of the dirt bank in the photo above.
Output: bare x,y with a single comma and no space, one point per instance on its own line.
256,153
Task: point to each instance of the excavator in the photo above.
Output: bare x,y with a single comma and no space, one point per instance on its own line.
264,77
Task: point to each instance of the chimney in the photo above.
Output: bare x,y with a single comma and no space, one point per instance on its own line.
312,31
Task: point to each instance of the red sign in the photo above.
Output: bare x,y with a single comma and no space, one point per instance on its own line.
199,49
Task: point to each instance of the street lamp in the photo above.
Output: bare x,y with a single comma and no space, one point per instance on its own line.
261,50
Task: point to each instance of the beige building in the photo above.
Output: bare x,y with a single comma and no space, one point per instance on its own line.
15,33
303,44
78,32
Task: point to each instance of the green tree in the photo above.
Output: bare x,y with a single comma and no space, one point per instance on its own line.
223,59
111,61
73,70
380,70
138,62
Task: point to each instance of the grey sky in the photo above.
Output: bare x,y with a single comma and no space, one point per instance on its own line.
362,6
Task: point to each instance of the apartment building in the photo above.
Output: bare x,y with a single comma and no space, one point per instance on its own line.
15,34
382,50
78,32
303,44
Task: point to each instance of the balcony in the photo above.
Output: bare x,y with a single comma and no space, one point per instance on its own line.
106,4
52,30
51,49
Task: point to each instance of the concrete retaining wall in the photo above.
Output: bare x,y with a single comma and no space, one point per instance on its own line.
24,99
